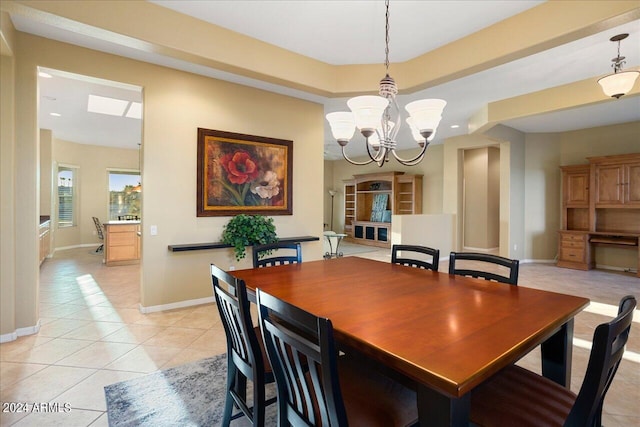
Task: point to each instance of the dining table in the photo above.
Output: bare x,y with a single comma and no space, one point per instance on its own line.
445,334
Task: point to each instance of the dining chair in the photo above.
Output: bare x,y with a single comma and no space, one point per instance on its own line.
518,397
491,262
261,252
316,387
100,231
246,358
419,251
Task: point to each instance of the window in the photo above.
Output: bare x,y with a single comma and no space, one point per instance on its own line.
124,194
67,196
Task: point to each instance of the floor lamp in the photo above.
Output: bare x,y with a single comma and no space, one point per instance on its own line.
332,193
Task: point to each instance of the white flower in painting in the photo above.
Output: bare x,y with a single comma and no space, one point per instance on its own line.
268,186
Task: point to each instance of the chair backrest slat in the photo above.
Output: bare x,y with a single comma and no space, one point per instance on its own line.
411,262
512,266
261,252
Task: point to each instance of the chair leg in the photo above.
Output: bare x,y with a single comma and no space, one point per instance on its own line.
228,401
258,404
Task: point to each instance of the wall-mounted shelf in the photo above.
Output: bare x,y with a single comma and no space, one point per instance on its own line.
219,245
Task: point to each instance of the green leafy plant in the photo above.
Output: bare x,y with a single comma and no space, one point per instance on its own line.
245,230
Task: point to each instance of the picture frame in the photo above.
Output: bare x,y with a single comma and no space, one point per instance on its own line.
243,174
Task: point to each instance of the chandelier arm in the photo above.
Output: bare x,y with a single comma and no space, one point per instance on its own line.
412,162
380,157
353,162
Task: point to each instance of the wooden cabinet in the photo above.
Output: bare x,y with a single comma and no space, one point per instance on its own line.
371,200
349,206
600,208
44,237
616,180
574,250
121,242
575,197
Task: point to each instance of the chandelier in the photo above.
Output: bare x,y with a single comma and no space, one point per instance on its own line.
620,82
379,119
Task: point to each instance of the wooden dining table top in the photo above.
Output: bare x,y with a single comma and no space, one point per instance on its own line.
447,332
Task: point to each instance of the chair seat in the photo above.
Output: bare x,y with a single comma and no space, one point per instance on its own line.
372,399
518,397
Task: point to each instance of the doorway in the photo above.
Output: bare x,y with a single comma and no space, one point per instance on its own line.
481,200
90,126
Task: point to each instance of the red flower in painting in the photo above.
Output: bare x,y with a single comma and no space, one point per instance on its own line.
240,167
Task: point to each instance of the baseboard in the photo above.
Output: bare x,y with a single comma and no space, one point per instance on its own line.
174,305
537,261
20,332
610,267
84,245
481,250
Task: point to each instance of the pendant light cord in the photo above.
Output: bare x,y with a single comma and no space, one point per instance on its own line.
386,40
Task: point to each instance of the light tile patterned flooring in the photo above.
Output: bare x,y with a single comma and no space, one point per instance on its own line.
92,335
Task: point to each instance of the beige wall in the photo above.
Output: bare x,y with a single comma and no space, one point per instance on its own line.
175,105
545,153
7,181
482,198
46,163
92,181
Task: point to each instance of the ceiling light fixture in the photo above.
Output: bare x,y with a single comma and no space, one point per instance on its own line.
620,82
45,75
378,118
55,114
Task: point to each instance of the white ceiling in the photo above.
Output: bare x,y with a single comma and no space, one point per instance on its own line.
340,32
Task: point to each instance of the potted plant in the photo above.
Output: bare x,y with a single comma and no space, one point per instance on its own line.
244,230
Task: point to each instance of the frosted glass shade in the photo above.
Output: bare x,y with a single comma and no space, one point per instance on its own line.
368,110
426,113
415,132
342,124
618,84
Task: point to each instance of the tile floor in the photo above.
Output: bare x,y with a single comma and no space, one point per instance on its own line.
92,335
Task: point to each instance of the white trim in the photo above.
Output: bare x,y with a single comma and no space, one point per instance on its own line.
610,267
537,261
20,332
8,337
84,245
174,305
483,250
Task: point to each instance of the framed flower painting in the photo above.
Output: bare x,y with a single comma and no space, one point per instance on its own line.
243,174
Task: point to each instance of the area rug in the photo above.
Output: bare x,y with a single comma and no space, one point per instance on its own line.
187,395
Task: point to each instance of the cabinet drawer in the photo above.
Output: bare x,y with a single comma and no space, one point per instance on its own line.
126,228
571,254
573,237
570,244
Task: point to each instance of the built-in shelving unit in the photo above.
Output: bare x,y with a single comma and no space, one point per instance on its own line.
371,201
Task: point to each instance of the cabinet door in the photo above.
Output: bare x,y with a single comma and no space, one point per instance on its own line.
632,184
577,189
609,188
